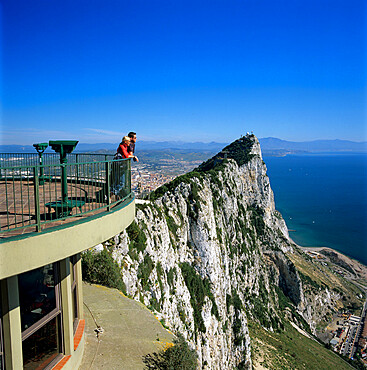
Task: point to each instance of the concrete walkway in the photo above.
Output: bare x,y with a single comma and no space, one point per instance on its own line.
129,330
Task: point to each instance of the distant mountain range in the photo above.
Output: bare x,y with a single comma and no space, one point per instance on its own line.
272,143
269,145
141,145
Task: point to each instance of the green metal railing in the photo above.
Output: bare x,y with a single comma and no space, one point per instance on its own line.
33,195
32,159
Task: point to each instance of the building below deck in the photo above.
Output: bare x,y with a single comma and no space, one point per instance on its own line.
41,310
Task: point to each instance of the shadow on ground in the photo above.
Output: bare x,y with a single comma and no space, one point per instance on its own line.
130,331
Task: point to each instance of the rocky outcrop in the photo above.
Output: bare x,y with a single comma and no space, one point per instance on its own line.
208,253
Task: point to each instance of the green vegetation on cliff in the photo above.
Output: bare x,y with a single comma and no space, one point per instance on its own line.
239,150
289,349
171,186
137,240
101,268
314,276
144,271
199,288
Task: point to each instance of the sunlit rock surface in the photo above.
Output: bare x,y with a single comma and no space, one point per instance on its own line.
208,253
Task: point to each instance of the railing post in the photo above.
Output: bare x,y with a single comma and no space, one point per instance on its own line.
128,177
64,183
37,199
3,160
108,185
77,167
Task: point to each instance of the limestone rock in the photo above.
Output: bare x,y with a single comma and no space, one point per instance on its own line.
210,255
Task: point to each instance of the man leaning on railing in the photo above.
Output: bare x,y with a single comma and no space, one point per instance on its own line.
118,175
131,147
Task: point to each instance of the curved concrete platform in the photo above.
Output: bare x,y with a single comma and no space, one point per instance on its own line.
39,249
130,330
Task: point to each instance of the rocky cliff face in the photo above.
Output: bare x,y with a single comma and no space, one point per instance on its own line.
209,252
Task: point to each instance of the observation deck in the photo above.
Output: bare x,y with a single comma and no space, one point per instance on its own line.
33,233
50,211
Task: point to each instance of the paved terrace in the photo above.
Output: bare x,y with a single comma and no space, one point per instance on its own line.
17,205
130,330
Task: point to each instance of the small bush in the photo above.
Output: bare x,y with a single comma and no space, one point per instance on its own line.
308,280
283,300
144,271
198,288
170,276
154,305
257,219
137,237
160,274
178,357
237,303
101,268
170,280
171,223
219,235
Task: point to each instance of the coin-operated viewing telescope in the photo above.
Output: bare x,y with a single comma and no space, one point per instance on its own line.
41,147
64,206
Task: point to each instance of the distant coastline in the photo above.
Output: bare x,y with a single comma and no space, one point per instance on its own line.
319,249
342,260
285,153
269,146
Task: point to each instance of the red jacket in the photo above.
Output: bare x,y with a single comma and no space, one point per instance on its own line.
122,149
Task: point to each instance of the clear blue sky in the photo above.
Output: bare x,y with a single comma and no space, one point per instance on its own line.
182,70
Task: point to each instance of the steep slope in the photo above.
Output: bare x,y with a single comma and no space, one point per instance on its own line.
209,253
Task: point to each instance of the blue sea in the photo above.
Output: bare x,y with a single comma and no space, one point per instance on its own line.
323,198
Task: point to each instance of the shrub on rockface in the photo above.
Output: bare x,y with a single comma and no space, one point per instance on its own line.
137,237
101,268
199,288
144,271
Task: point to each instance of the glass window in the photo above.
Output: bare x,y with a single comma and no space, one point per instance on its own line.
37,294
42,347
72,267
74,290
39,297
